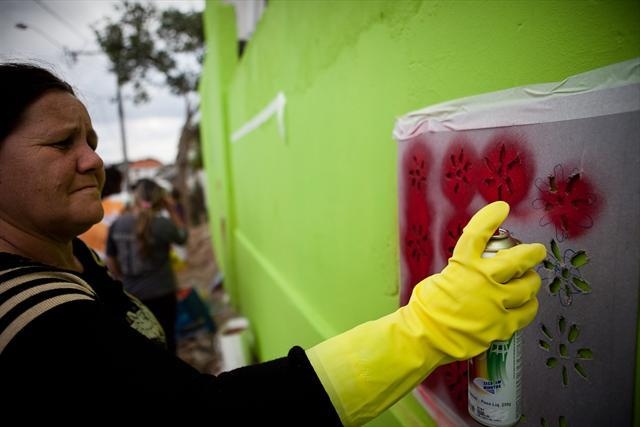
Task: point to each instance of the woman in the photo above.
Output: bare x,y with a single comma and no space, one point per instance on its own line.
71,338
138,253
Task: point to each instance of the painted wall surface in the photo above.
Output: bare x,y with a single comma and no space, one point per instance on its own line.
549,150
220,61
306,221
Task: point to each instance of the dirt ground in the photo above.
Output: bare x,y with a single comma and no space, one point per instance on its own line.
201,267
200,272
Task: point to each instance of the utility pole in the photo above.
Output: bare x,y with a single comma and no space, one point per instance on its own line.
123,136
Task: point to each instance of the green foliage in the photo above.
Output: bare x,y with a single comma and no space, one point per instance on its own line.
143,43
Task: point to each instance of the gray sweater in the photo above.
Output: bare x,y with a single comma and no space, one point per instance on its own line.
145,276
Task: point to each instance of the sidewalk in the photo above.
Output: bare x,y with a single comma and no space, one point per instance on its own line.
198,347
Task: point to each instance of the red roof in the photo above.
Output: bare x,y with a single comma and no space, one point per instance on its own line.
145,164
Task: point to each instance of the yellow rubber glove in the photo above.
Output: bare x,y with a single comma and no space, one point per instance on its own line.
453,315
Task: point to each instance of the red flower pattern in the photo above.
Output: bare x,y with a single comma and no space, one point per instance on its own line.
414,166
570,203
417,249
506,171
455,377
453,231
416,238
459,166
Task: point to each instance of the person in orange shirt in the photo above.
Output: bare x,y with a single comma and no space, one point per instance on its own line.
113,204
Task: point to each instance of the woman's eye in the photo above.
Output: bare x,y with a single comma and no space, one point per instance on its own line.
64,144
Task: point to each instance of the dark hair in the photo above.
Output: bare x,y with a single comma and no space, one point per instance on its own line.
148,193
112,181
21,84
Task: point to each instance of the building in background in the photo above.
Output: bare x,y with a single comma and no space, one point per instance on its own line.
145,168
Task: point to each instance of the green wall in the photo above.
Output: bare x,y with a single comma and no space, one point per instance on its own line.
305,224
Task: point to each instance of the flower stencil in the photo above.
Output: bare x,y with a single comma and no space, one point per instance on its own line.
414,165
560,350
459,179
417,248
506,170
562,273
416,234
455,378
569,203
562,422
452,232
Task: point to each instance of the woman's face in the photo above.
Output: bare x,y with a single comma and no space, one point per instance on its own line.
50,174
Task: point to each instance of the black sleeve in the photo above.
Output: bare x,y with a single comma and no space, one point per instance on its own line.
284,391
74,354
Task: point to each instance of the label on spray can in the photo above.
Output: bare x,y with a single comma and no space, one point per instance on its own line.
495,376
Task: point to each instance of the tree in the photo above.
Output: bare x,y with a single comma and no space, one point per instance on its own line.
148,47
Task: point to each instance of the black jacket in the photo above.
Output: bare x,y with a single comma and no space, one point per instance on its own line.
92,350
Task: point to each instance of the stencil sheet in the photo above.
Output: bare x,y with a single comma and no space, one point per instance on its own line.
566,156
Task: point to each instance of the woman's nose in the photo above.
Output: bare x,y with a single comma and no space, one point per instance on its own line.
89,159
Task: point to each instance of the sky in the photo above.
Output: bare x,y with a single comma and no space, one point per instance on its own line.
152,129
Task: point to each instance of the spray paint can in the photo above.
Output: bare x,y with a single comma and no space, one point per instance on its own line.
495,376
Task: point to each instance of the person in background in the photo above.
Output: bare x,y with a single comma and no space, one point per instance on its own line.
72,341
177,197
112,205
178,253
139,245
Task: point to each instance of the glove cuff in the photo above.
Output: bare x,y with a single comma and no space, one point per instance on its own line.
368,368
